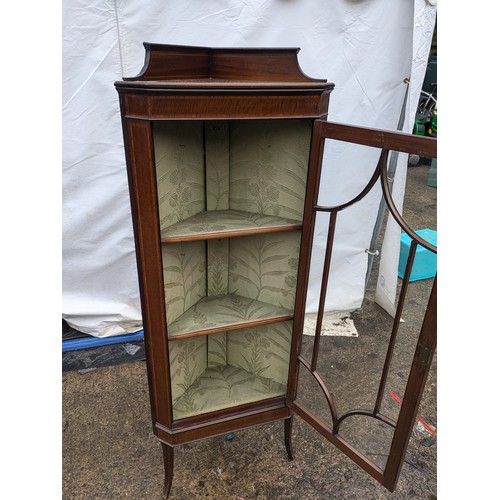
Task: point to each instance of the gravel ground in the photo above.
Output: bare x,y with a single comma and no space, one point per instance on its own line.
110,452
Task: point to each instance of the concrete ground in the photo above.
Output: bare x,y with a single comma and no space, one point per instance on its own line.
110,452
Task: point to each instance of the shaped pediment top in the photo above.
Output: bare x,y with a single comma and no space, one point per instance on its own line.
182,62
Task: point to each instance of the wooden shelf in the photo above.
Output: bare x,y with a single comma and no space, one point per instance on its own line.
224,386
223,313
215,224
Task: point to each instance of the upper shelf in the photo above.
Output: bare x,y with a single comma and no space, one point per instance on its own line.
215,224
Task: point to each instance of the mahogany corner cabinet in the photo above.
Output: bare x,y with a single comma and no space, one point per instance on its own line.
224,149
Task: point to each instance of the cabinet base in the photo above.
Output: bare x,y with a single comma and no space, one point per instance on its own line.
168,457
222,422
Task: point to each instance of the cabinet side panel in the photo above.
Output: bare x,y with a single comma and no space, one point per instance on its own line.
188,360
184,276
184,271
269,161
263,351
180,171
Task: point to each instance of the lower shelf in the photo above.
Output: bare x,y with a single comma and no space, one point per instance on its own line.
224,386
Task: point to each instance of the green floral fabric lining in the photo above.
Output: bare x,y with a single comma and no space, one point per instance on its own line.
263,351
258,169
180,170
217,164
217,276
188,360
264,267
184,276
269,160
223,387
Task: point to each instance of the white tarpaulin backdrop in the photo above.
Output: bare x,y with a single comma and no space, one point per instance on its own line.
367,48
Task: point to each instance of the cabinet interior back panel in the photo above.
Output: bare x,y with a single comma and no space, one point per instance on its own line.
264,267
256,166
217,284
217,196
268,166
217,164
263,351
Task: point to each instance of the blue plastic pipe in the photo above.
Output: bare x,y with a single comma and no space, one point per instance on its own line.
89,342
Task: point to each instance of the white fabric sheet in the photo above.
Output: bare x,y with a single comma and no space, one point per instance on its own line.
385,293
365,48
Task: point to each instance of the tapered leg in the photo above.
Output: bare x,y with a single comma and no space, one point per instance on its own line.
288,437
168,464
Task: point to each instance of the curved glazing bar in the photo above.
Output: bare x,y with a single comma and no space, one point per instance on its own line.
323,387
398,217
364,413
382,162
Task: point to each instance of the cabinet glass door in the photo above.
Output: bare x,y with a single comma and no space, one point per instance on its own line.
361,392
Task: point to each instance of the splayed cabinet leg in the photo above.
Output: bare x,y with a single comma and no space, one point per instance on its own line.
168,464
288,437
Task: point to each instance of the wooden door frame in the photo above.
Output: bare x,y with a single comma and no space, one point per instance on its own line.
426,344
